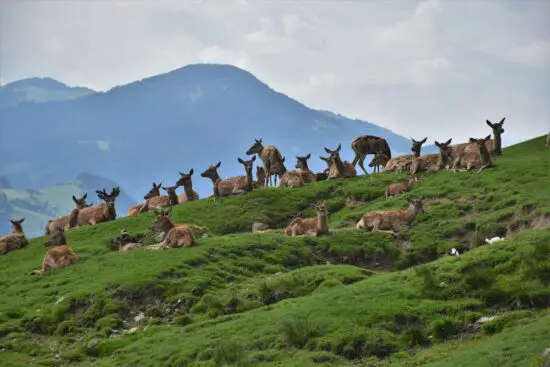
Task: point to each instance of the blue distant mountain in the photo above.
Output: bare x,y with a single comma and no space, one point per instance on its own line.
150,129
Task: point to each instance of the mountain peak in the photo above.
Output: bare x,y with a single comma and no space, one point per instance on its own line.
38,89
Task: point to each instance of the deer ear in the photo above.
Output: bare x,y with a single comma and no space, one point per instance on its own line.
12,222
339,147
487,137
22,220
489,123
253,158
448,141
502,121
472,140
191,172
327,150
85,196
436,143
74,199
283,160
219,164
424,140
165,189
240,161
308,156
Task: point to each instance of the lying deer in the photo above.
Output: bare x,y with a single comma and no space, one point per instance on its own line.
379,160
57,257
494,146
289,178
126,242
57,238
339,168
14,241
324,175
403,162
177,235
434,161
155,191
400,187
310,226
65,221
99,213
188,193
368,144
301,164
480,159
163,201
390,221
230,186
269,155
260,177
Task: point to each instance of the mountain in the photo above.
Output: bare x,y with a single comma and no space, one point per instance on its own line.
150,129
39,90
37,206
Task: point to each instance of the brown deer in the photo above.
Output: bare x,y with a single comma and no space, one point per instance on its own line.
403,162
101,212
260,177
368,144
188,193
57,238
269,155
434,161
339,168
400,187
14,241
155,191
379,160
390,221
163,201
126,242
324,175
229,186
177,235
307,175
310,226
494,146
289,178
469,160
65,221
57,257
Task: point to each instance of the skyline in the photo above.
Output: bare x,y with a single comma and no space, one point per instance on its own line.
424,64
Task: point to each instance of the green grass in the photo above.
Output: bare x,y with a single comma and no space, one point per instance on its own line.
348,298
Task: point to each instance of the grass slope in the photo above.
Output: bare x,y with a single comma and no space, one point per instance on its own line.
349,298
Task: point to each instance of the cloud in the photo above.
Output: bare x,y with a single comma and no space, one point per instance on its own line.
421,68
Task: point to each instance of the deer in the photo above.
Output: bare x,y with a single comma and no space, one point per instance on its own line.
229,186
65,221
339,168
400,187
301,164
494,146
269,155
155,191
324,175
14,241
103,212
177,235
126,242
390,221
469,160
310,226
163,201
368,144
57,257
402,162
379,160
433,162
57,238
188,193
260,177
289,178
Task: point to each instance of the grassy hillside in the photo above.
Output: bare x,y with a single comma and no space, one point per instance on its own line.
348,298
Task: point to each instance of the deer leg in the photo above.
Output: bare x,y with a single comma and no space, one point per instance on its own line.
361,160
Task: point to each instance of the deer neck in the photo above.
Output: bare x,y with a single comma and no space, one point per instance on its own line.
17,230
411,213
214,177
322,222
188,189
249,180
172,198
497,140
339,165
109,212
484,155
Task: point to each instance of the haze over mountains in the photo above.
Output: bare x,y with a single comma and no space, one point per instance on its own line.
150,129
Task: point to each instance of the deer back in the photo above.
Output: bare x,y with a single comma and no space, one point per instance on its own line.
396,162
182,198
12,242
227,186
180,236
95,212
134,210
291,179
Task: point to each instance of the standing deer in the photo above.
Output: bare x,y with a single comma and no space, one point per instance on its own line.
469,159
390,221
163,201
14,241
379,160
229,186
188,193
434,161
155,191
339,168
67,221
310,226
368,144
101,212
177,235
301,164
269,155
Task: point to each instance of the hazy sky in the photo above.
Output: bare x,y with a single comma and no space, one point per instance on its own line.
421,68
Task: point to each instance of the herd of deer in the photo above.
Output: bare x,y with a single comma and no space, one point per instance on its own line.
477,153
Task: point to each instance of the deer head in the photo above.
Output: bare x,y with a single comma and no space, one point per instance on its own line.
320,208
334,154
328,160
185,178
162,220
212,171
257,147
109,199
417,145
81,203
248,165
16,225
480,142
445,148
155,191
379,159
280,168
170,189
497,127
416,204
301,162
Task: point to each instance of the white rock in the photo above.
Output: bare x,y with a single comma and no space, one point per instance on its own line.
494,239
59,300
485,319
139,317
